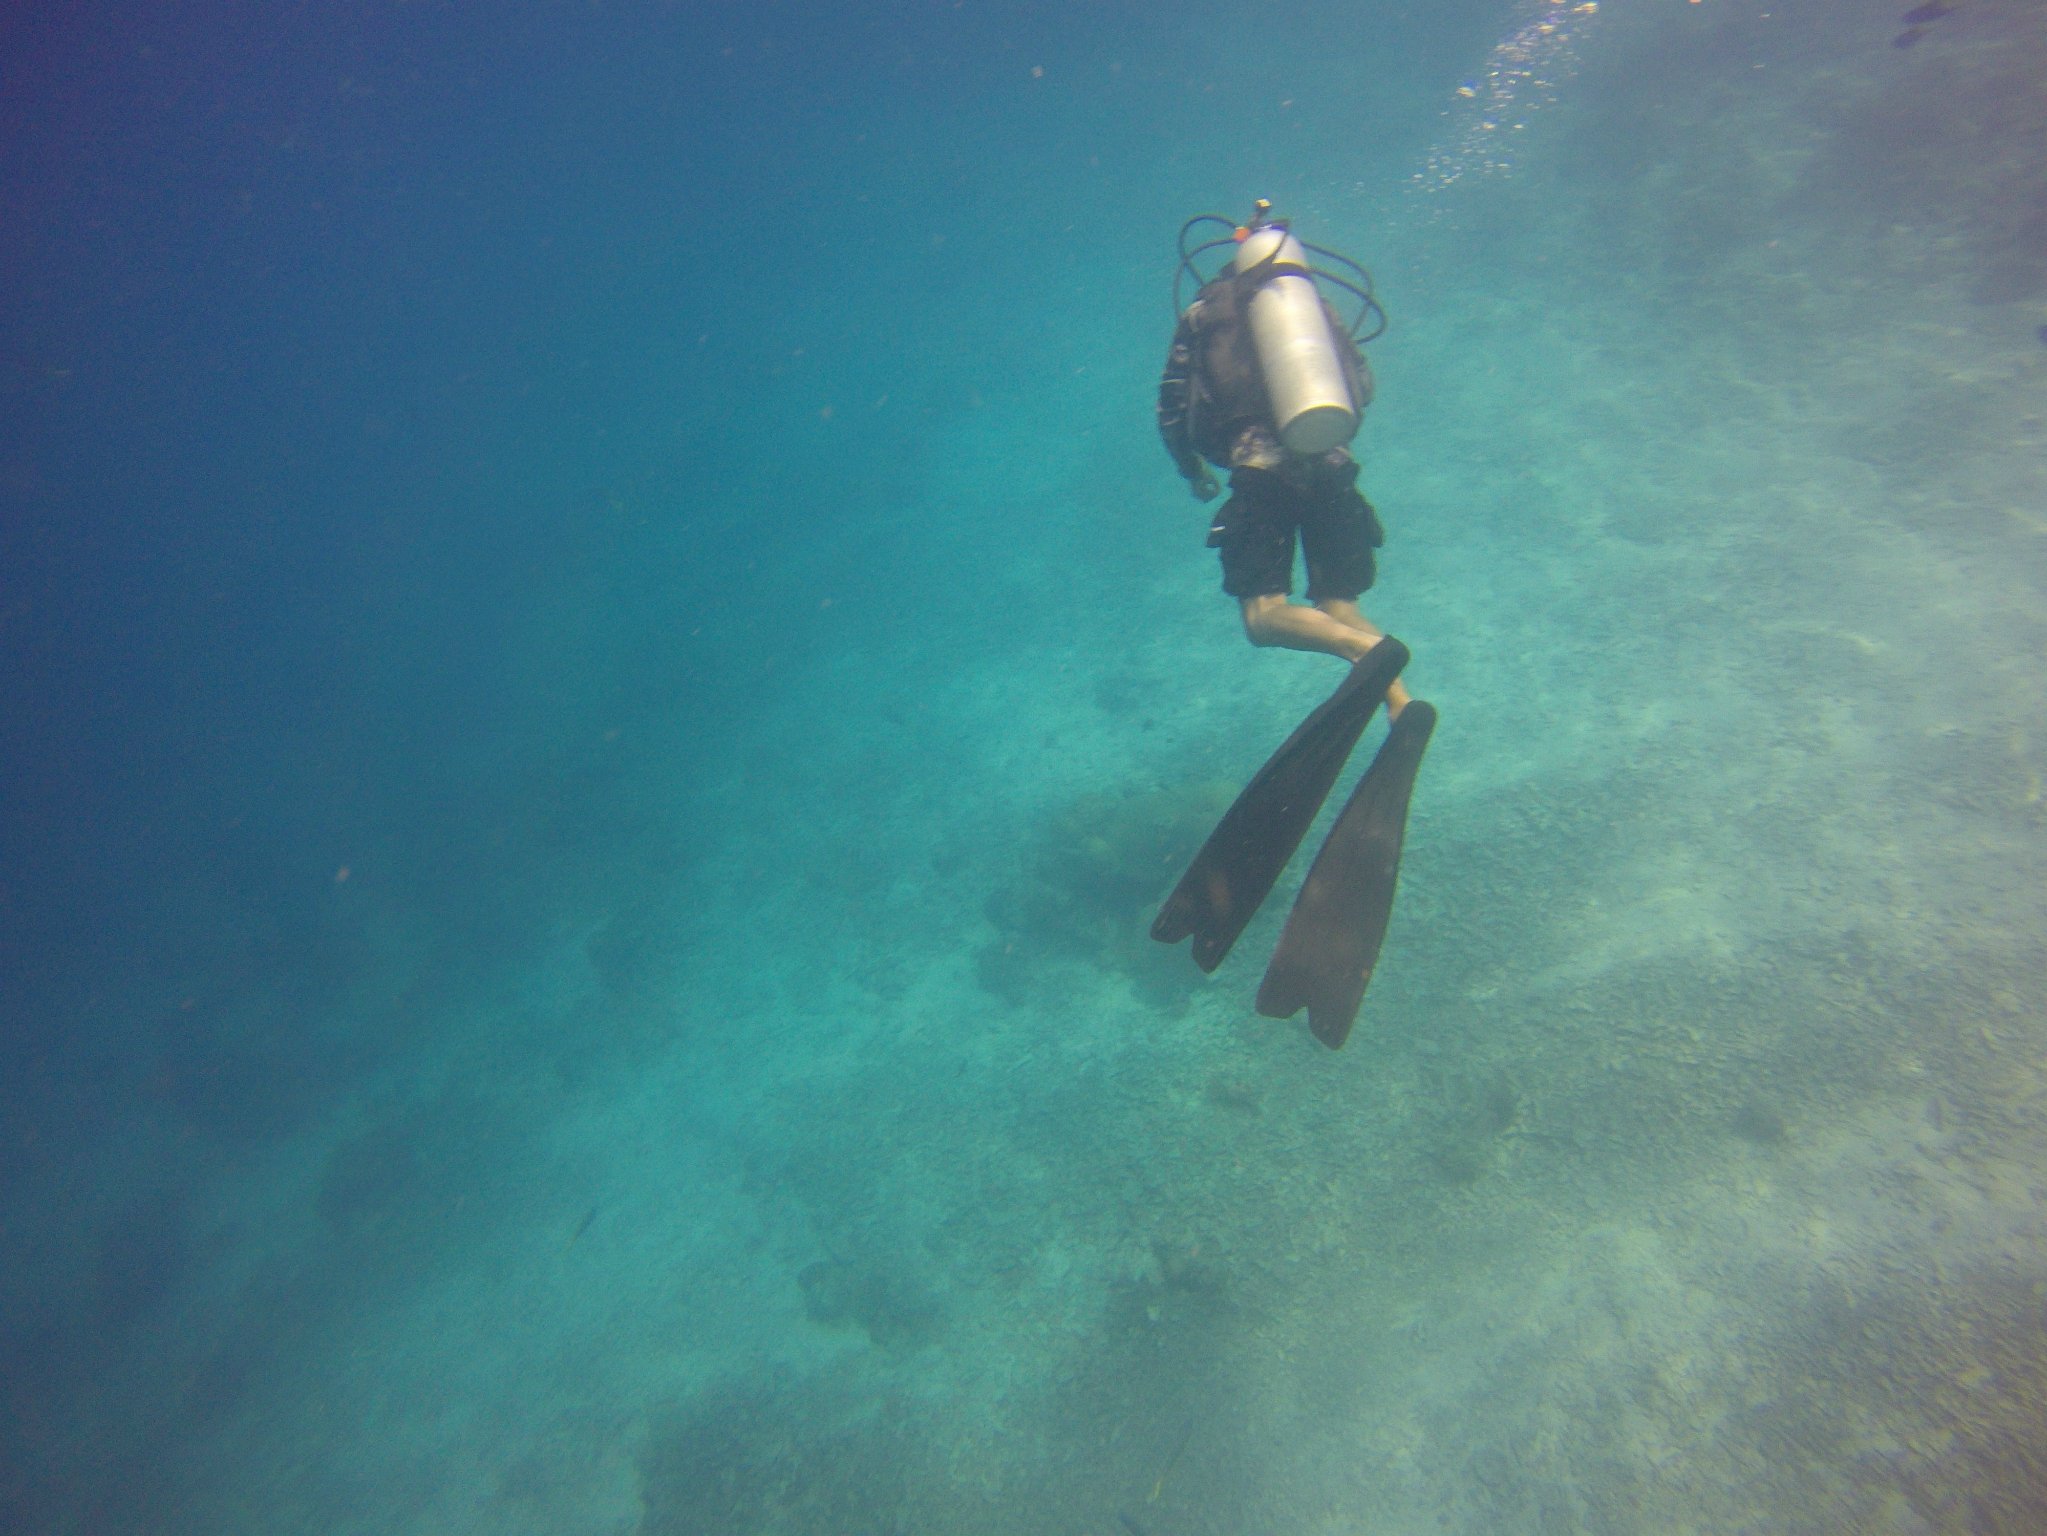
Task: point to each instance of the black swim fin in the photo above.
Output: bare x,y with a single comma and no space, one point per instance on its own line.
1243,856
1331,940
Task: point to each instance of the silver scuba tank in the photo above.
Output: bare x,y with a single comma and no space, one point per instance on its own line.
1297,350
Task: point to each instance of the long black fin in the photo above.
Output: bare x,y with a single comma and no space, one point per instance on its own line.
1331,940
1237,866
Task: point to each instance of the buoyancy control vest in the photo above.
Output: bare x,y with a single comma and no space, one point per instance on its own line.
1230,388
1269,349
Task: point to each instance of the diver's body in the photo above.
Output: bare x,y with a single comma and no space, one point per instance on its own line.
1212,409
1264,380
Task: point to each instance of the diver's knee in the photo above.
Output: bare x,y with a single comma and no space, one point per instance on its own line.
1260,620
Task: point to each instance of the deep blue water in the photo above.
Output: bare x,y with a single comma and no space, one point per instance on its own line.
600,673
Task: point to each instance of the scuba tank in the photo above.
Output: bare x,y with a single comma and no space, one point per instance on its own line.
1307,385
1304,380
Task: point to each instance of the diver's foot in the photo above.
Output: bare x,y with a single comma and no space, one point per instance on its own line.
1364,645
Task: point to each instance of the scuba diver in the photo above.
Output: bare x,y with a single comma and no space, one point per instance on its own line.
1265,380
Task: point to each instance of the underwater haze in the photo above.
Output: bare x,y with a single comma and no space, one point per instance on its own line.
602,672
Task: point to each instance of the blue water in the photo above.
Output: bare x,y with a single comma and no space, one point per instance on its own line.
601,673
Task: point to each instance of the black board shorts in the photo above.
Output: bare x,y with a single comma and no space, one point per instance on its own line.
1338,532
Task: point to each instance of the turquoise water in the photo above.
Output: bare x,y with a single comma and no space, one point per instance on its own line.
604,672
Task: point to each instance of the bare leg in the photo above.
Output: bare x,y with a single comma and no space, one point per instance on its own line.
1333,627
